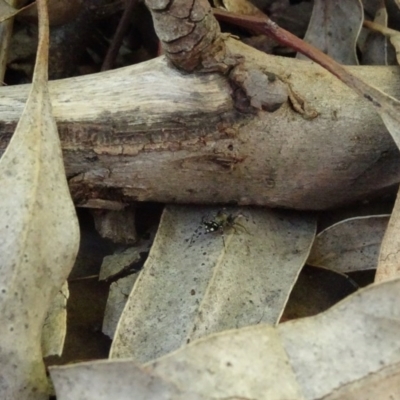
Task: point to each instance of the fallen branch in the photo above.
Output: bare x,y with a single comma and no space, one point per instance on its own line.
151,133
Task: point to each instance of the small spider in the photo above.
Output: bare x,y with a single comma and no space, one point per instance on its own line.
223,222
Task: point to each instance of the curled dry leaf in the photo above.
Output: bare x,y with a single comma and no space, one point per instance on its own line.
334,28
120,289
347,349
350,245
117,297
389,256
55,324
395,40
194,284
39,235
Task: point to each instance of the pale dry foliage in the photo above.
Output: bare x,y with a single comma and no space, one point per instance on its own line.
202,318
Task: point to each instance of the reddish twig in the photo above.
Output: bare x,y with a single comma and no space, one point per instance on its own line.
264,25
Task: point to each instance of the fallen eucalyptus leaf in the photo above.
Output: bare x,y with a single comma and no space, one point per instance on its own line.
39,235
312,358
245,363
375,47
104,380
357,338
389,256
128,261
249,363
194,283
115,263
382,385
341,23
55,324
395,40
393,35
117,297
350,245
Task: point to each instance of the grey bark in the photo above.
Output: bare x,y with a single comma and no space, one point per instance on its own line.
151,133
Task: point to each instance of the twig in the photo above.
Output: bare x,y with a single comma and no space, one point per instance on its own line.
264,25
123,25
373,26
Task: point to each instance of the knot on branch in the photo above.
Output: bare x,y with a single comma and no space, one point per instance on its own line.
190,34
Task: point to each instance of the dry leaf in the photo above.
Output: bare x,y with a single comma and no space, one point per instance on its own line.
120,290
393,35
375,47
352,341
194,284
248,363
350,245
312,358
39,235
116,263
55,324
334,28
355,339
7,11
395,40
117,297
389,256
122,380
382,385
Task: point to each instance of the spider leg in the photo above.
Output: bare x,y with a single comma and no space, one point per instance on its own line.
238,225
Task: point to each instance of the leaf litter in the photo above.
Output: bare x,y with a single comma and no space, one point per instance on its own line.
39,235
357,314
189,287
309,358
350,245
341,23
